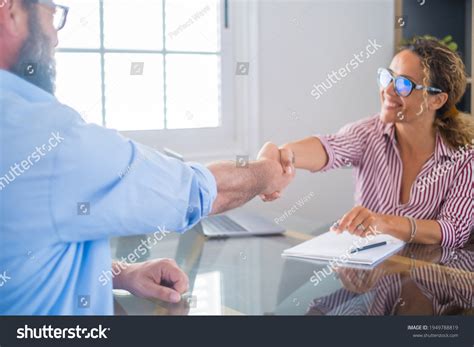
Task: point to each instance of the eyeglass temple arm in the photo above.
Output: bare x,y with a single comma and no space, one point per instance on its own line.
45,2
430,89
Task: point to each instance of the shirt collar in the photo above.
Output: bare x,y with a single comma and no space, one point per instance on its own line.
12,82
443,150
388,131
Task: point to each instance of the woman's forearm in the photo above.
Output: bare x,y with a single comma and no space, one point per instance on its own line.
428,231
309,154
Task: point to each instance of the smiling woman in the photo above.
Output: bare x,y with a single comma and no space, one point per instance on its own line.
393,154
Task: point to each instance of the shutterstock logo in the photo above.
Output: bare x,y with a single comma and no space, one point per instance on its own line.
48,332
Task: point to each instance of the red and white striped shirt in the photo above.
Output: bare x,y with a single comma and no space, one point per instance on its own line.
443,190
447,284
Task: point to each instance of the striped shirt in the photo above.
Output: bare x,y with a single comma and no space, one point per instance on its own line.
446,285
443,190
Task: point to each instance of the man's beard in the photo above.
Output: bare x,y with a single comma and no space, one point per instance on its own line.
35,62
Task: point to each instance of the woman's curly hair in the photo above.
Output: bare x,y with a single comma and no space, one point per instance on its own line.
444,69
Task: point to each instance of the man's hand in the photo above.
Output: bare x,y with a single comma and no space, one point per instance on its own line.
237,185
285,174
156,279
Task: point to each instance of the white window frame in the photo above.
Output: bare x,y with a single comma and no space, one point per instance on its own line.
240,121
238,111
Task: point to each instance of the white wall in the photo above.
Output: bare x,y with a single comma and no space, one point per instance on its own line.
299,44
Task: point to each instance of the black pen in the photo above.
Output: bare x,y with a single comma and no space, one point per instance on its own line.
369,247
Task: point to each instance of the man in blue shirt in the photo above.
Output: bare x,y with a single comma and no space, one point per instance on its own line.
66,186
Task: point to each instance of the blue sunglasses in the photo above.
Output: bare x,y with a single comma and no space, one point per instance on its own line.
403,86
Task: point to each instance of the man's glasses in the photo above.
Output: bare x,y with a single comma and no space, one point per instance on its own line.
59,14
402,85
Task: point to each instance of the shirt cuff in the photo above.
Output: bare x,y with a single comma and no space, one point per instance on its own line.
448,234
208,184
330,152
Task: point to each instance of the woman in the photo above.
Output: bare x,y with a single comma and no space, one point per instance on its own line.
414,161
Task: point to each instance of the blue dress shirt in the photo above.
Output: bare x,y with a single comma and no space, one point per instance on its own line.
66,187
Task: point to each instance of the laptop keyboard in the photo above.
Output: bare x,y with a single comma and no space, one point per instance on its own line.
222,223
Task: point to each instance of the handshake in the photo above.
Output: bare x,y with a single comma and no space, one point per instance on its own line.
281,162
273,170
266,177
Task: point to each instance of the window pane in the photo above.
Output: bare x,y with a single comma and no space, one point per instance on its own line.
192,25
193,86
78,86
136,24
82,27
134,91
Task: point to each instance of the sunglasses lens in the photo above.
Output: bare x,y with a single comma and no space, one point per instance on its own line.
403,86
384,78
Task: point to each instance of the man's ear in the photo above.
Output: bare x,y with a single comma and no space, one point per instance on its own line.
13,18
438,100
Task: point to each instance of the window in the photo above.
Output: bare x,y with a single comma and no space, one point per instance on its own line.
143,65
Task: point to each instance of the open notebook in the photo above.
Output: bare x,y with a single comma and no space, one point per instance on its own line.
332,246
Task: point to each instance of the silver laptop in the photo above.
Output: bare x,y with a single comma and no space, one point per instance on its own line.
236,222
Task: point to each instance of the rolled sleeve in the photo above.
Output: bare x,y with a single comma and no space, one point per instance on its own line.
329,151
106,185
456,217
347,146
206,183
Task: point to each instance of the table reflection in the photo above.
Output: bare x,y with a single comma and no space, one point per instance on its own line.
249,276
421,280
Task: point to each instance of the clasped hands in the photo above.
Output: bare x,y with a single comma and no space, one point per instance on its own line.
162,278
284,160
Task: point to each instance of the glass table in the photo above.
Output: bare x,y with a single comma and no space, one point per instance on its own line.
248,276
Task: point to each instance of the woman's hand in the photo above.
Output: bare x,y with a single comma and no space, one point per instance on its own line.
360,281
360,221
363,222
282,155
